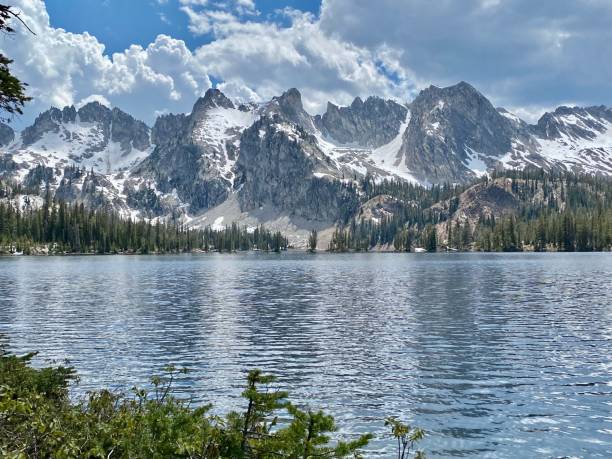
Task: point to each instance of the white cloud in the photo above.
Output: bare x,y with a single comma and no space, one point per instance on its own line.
199,23
94,98
63,68
253,59
519,53
515,51
265,59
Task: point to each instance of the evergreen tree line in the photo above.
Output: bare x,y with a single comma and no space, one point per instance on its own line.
558,210
67,228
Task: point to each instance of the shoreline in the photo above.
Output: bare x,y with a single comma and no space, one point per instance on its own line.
292,251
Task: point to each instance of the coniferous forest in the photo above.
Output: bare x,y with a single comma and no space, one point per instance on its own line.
544,211
533,210
66,228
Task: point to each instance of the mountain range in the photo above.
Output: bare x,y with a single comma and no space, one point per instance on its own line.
273,163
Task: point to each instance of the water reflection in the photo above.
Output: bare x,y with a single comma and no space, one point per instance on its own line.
494,355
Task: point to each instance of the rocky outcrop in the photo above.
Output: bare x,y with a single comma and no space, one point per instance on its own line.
281,165
573,122
39,177
369,124
184,160
48,121
448,127
212,98
8,166
7,135
109,125
181,169
380,207
289,106
129,132
493,198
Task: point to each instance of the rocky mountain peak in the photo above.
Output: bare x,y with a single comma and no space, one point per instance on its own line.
47,121
69,114
212,98
573,122
357,103
128,131
280,165
7,135
289,106
291,99
368,124
84,136
461,97
451,128
95,112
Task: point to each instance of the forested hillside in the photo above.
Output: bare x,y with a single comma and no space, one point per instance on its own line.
529,210
57,227
508,211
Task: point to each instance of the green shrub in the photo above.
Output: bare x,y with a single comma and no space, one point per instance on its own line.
38,420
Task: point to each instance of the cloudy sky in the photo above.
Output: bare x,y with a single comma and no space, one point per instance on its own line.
155,56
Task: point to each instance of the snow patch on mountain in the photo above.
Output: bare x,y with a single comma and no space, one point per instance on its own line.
389,159
592,155
475,163
219,131
81,144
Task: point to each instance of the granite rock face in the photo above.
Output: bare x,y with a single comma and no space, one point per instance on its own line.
186,161
448,126
107,125
48,121
573,122
289,106
370,124
281,165
128,131
7,135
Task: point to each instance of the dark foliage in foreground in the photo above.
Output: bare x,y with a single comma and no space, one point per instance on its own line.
38,420
12,90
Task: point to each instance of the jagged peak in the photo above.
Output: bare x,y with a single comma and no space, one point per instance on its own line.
94,112
291,93
600,111
290,99
289,105
213,98
575,109
7,134
462,88
92,104
357,102
331,107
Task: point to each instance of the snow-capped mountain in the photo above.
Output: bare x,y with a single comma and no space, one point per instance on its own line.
579,138
274,162
93,136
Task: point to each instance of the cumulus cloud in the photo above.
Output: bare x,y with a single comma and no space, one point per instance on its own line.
93,98
516,51
252,59
63,68
264,59
524,55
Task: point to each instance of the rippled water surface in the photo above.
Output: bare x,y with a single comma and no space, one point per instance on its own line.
499,355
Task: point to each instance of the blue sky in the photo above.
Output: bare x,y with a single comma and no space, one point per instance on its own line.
157,56
120,23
